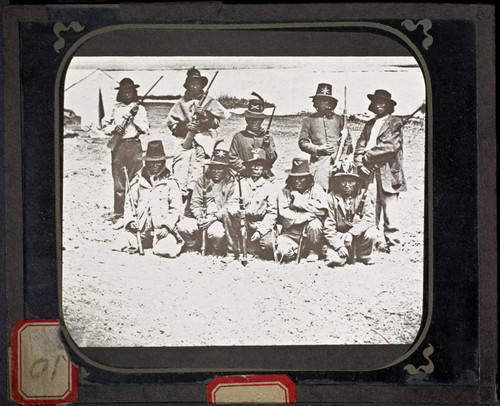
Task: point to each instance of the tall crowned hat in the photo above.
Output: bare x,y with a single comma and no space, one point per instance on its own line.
126,83
259,155
154,152
255,107
324,90
194,74
220,157
300,167
382,94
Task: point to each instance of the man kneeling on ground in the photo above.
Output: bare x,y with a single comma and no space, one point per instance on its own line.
153,205
350,235
260,205
301,211
214,207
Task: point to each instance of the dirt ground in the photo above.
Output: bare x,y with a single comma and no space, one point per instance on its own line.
115,299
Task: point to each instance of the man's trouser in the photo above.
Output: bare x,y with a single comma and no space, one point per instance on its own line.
288,240
165,247
362,245
126,153
191,234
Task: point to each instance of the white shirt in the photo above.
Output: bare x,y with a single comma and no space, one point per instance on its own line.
372,141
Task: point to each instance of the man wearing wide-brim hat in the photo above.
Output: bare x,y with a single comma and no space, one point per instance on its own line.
380,149
321,133
214,206
153,206
302,208
253,138
349,231
128,149
194,126
260,206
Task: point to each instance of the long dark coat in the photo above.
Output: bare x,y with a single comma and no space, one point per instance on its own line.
387,155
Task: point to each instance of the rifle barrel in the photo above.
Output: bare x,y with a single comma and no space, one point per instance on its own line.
205,94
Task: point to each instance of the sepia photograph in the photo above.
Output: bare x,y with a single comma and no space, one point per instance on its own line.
243,201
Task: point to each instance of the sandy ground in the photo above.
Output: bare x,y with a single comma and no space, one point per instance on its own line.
116,299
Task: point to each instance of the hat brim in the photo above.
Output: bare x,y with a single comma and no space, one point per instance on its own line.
218,164
249,114
297,174
155,158
254,161
338,176
324,96
373,97
202,79
126,87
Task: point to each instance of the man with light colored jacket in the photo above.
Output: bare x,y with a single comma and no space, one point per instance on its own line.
153,206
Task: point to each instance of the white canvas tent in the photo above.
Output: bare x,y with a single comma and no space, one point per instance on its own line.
82,96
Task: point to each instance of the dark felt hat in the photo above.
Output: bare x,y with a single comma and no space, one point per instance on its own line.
351,175
126,83
324,90
219,158
255,107
154,152
381,94
259,155
194,74
300,167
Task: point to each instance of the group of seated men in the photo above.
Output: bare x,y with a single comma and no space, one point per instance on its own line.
301,219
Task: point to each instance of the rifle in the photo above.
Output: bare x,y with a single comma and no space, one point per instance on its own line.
303,235
243,228
115,136
270,120
344,132
187,142
204,214
134,211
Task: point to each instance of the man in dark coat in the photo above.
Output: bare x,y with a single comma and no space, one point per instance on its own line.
253,138
321,134
380,150
129,149
350,235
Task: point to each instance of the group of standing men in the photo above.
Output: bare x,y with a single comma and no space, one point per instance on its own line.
219,200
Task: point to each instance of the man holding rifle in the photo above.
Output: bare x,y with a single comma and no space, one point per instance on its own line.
253,138
153,207
321,135
350,225
127,149
260,210
379,156
214,208
193,120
